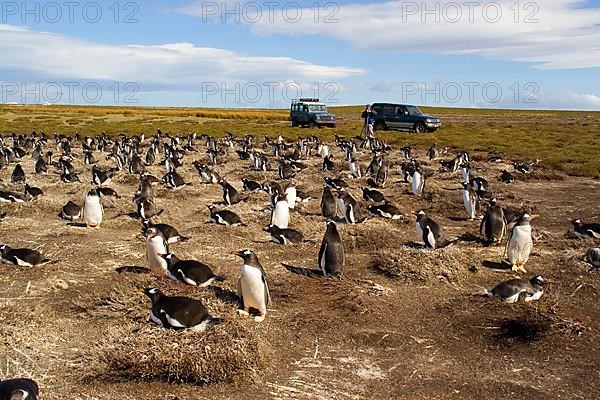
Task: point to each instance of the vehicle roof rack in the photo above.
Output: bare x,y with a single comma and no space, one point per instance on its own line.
306,100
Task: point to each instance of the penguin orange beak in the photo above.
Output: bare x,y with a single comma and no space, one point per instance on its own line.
550,282
534,216
236,253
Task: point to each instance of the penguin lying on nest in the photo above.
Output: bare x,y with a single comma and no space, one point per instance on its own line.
22,257
178,312
510,290
191,272
592,257
19,389
580,229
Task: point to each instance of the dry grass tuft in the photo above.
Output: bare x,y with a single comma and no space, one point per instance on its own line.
225,353
422,266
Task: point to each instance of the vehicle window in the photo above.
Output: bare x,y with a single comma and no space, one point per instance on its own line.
318,108
412,110
377,109
387,110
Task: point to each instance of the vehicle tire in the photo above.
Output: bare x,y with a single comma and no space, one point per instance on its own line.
332,125
380,126
294,123
312,124
420,127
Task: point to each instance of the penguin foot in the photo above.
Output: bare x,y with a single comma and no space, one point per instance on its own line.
522,268
514,268
243,312
260,318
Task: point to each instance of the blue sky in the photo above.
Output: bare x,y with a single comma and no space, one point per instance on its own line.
498,53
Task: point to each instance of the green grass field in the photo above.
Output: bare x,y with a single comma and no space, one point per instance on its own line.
565,140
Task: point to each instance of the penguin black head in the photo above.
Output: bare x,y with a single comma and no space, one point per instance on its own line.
151,232
170,258
465,185
576,222
493,202
93,192
247,255
420,214
5,249
153,293
526,219
537,280
271,228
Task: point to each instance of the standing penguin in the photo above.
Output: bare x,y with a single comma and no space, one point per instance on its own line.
230,194
291,194
331,254
18,175
328,203
253,288
520,243
156,247
431,232
178,312
418,182
19,389
470,200
493,225
93,212
349,207
280,215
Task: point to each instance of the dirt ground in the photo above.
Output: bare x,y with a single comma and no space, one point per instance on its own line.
417,333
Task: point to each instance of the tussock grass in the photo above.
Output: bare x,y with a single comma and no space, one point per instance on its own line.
225,353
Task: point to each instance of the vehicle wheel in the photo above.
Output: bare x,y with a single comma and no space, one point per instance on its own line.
380,126
420,127
312,124
333,125
294,123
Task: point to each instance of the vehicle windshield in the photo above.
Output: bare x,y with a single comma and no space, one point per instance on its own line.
317,108
412,110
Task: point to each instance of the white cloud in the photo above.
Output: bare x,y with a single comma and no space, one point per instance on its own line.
171,65
553,34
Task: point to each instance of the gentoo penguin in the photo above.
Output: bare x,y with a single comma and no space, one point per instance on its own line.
509,291
328,164
107,192
100,177
93,212
177,312
520,243
146,208
70,211
18,175
592,257
433,152
169,232
506,177
40,166
349,207
470,200
230,194
284,236
32,191
280,215
156,247
174,181
88,158
386,210
372,195
224,217
580,229
331,254
328,203
291,194
418,182
253,287
430,232
480,185
191,272
206,173
336,183
19,389
250,185
355,168
22,257
12,197
493,225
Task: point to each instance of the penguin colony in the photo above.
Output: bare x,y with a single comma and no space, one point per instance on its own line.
339,204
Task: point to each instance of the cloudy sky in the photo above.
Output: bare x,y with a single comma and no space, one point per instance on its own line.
245,53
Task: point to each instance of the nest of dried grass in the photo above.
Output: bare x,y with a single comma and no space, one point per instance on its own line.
421,265
225,353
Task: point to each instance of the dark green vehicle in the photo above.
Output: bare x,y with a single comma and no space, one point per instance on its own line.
311,113
403,116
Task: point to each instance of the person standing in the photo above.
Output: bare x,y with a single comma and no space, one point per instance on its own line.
369,116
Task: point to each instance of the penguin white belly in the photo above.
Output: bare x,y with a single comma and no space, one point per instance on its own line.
431,239
253,288
291,197
201,327
512,299
281,215
535,296
468,204
154,248
92,211
419,231
519,245
342,207
155,319
323,260
23,263
173,322
417,186
465,175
